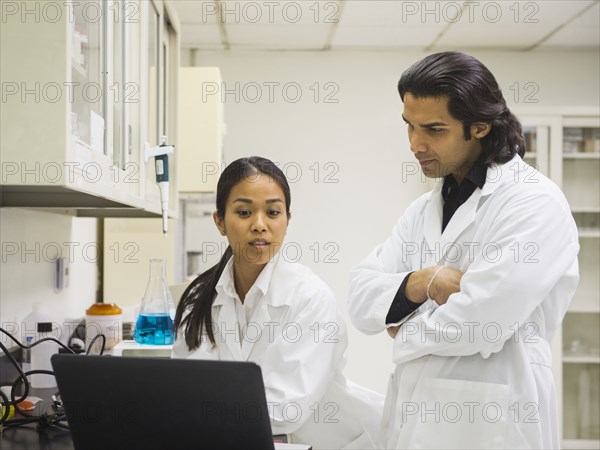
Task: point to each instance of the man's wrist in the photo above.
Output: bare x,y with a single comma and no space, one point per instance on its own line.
430,286
416,288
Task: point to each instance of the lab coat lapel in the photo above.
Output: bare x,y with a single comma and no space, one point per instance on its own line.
256,331
464,216
432,226
270,316
461,221
228,337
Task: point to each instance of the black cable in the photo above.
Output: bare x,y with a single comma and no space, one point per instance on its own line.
17,366
20,344
45,419
98,336
7,410
19,381
60,425
21,375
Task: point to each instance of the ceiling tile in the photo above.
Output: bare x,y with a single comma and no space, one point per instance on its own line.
195,11
355,36
516,25
584,31
200,36
287,12
387,23
381,23
391,13
277,37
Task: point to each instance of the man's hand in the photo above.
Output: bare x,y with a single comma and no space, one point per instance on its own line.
393,331
446,283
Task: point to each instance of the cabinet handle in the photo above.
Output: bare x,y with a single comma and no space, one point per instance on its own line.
129,146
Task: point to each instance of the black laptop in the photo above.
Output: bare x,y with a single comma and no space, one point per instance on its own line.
154,403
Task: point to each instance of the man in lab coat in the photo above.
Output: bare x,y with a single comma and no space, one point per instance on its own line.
476,276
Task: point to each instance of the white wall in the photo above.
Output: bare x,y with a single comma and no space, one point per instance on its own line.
30,242
362,135
365,139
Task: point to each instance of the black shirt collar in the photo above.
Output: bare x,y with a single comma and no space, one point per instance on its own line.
476,175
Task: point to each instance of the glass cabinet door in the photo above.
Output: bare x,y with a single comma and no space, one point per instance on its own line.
581,326
581,164
537,146
118,79
88,69
152,70
132,92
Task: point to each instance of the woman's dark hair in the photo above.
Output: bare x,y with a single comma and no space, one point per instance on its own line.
200,294
473,96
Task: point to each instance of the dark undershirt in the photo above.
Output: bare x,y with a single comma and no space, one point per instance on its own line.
454,195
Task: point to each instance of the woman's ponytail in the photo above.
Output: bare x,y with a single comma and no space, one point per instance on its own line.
198,299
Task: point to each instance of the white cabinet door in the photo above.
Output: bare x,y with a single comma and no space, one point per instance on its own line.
565,146
201,129
72,119
581,327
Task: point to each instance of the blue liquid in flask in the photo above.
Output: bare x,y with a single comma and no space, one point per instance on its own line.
154,329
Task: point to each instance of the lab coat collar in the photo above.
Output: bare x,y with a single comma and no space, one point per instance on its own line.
223,307
432,226
496,176
500,174
226,283
432,221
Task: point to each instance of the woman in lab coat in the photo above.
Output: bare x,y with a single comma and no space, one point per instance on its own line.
254,305
474,363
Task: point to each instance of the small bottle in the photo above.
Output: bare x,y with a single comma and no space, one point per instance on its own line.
41,354
37,325
154,324
106,319
26,354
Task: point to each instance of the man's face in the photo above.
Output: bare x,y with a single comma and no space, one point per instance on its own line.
437,139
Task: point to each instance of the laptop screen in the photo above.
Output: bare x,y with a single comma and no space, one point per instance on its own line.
155,403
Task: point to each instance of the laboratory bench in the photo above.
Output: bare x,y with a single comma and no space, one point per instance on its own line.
27,437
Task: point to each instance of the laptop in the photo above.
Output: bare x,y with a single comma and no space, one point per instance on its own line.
156,403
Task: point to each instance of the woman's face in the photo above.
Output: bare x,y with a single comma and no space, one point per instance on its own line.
255,219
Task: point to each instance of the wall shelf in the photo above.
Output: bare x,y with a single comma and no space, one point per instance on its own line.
581,156
582,359
564,146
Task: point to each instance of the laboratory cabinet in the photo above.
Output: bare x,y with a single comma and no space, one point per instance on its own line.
129,243
201,129
77,107
566,147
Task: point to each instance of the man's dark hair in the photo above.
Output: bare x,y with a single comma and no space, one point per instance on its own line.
473,96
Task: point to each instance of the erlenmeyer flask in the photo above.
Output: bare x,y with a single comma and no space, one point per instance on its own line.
155,321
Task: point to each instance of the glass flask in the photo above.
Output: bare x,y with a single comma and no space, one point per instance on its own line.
154,324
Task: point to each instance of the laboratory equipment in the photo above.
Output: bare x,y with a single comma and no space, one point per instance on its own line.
106,319
155,320
161,164
38,325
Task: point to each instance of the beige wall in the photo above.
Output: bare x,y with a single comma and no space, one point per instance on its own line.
30,242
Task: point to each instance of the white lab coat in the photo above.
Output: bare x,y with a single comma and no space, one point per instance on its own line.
293,331
476,371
